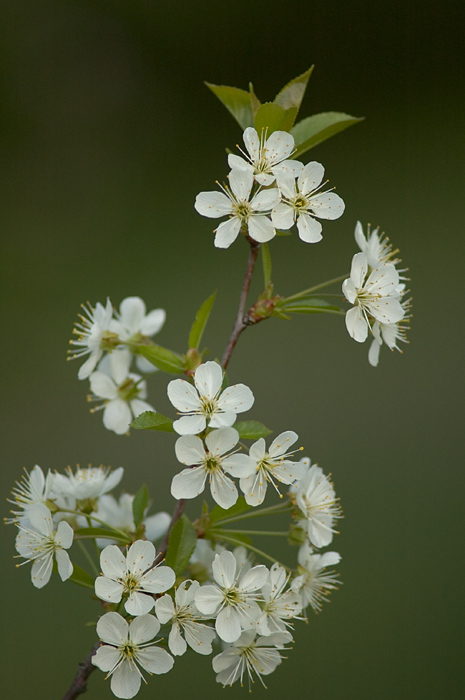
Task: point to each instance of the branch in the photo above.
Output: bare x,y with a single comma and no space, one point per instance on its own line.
241,319
174,518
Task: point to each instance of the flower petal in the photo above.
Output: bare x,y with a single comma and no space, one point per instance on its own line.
261,229
213,204
189,483
227,232
309,229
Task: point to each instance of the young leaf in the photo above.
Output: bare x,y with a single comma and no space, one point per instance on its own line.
270,117
254,101
313,130
219,513
290,98
81,577
266,260
139,505
236,101
251,430
307,305
149,420
183,539
201,318
164,359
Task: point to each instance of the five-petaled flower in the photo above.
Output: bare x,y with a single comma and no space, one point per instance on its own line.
93,336
266,157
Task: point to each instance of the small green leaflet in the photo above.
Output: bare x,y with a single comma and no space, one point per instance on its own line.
162,358
236,101
183,539
251,430
291,96
313,130
150,420
140,504
201,318
219,513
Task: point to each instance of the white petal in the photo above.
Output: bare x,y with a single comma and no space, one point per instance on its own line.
356,324
213,204
238,465
221,441
90,364
254,579
237,398
281,444
113,562
279,146
125,681
189,483
183,396
359,269
103,386
208,379
64,535
282,216
360,237
252,142
190,425
139,604
310,177
373,353
106,658
164,608
386,310
143,629
41,571
223,490
140,556
153,322
190,450
227,232
117,416
241,182
176,642
238,162
208,599
65,567
138,406
227,625
265,200
158,580
261,229
155,660
132,312
224,569
309,229
156,526
327,205
108,589
112,628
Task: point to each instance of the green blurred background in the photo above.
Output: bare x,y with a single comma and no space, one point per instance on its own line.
107,135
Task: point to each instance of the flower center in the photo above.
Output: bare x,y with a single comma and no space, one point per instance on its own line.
209,406
212,464
130,583
243,210
128,390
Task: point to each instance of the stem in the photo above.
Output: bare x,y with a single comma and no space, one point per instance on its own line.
79,684
241,322
252,549
306,292
271,510
88,557
122,534
250,532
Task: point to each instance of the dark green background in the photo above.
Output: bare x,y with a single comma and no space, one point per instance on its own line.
107,134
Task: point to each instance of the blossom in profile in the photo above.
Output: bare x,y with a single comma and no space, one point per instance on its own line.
94,336
127,649
302,202
316,498
123,393
266,157
245,213
186,628
210,460
250,655
33,488
315,583
39,542
204,404
375,296
133,576
270,466
389,334
133,323
86,482
233,598
375,245
280,605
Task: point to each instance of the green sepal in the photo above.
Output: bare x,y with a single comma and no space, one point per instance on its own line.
162,358
305,305
140,504
219,513
81,577
101,532
291,96
251,430
313,130
238,102
151,420
266,260
183,539
201,318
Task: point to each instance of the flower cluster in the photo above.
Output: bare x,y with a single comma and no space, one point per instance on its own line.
378,294
269,191
110,338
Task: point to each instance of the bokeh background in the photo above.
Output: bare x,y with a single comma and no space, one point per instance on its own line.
107,134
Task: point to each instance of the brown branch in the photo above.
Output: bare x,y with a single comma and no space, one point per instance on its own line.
241,318
79,684
174,518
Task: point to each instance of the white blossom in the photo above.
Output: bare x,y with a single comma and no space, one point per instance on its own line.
375,245
376,296
127,648
134,323
39,542
184,617
133,576
94,336
209,461
266,157
301,202
244,213
250,655
33,488
315,584
205,404
279,606
268,466
317,500
123,393
86,482
233,599
389,334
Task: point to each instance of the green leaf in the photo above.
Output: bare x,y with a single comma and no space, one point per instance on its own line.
270,117
307,305
164,359
201,318
236,101
254,101
150,420
290,98
99,532
313,130
219,513
81,577
251,430
139,505
266,260
183,539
